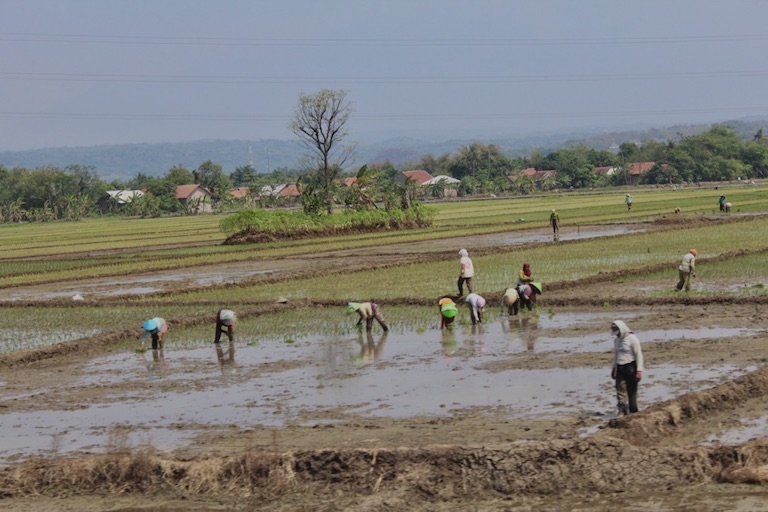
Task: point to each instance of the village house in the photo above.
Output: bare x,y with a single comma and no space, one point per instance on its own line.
116,198
195,198
636,169
544,180
419,176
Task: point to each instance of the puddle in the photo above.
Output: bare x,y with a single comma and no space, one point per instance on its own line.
395,375
156,282
749,429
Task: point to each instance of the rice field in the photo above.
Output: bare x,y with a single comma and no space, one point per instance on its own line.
112,248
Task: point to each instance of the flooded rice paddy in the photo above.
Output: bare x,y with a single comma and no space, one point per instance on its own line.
321,378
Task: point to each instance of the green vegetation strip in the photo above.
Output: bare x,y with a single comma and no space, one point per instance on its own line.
551,263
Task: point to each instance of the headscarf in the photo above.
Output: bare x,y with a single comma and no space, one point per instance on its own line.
527,269
463,253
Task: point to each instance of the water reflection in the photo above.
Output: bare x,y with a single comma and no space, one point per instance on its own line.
157,366
226,359
370,351
449,342
523,331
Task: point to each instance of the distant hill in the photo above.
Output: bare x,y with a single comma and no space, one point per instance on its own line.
125,161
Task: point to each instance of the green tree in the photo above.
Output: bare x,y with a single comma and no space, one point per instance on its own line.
320,123
212,177
179,175
245,176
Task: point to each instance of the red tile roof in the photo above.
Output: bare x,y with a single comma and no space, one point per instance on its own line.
419,176
638,168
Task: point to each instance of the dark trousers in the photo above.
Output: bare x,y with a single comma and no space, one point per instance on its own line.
461,282
229,330
626,387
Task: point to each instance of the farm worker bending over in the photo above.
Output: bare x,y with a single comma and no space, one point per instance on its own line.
448,311
511,301
155,327
466,272
367,311
476,305
627,368
525,277
686,270
225,323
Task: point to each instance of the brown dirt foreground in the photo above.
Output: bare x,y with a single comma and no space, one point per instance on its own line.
653,460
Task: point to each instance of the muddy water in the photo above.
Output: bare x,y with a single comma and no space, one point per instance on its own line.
196,385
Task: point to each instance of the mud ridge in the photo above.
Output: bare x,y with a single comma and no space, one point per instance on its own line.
438,473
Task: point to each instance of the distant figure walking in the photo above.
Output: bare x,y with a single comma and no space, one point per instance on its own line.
628,200
554,221
687,270
721,202
466,272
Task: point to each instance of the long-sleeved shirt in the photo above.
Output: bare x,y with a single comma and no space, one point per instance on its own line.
689,263
627,348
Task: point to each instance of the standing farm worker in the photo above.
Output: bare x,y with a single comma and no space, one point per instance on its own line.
687,270
721,202
466,272
628,200
627,368
367,311
448,311
476,305
554,221
511,301
155,327
225,323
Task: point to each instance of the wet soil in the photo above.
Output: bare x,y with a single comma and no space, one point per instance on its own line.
696,444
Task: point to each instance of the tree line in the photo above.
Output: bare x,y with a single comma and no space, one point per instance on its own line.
72,193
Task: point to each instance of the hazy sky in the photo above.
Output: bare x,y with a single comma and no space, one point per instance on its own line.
89,72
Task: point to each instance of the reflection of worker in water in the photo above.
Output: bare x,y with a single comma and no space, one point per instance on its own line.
449,343
225,324
157,365
367,311
476,305
529,325
155,327
226,359
448,311
369,350
554,221
687,270
627,368
466,272
511,301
